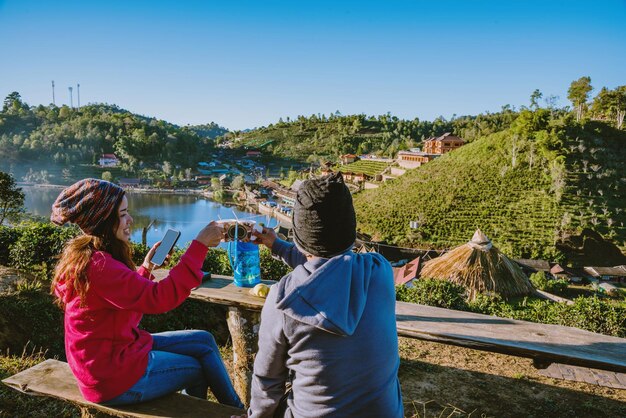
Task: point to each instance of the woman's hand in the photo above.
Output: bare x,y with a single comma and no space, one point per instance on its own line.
147,264
267,237
211,235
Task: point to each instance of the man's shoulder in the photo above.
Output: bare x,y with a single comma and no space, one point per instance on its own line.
376,258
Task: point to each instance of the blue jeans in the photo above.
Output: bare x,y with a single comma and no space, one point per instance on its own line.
188,360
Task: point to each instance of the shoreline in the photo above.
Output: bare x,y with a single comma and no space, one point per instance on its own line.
204,193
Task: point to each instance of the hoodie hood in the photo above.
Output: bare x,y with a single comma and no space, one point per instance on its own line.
62,291
329,294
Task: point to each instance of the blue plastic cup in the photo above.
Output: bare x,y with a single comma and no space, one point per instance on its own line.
245,262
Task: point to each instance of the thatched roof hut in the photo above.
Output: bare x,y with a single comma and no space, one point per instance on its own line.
481,268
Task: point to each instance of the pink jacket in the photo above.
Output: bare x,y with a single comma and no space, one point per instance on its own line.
105,349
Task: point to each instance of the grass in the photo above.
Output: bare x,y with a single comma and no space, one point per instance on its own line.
433,409
16,404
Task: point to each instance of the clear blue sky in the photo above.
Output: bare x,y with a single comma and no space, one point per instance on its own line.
245,64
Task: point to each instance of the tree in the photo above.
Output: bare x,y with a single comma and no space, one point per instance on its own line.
237,183
216,184
534,99
11,198
13,103
578,94
107,176
611,104
167,168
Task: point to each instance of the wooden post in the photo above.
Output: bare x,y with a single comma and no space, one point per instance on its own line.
244,330
144,232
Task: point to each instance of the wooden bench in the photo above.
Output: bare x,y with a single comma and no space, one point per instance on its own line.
54,378
545,344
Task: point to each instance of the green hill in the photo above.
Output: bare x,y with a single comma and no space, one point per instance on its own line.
61,143
318,136
526,187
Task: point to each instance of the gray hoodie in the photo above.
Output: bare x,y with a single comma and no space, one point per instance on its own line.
329,327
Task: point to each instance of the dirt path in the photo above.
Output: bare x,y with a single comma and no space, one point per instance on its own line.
445,381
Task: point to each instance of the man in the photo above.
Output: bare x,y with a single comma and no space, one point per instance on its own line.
328,328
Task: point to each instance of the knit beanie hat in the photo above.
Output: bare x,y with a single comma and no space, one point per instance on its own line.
86,203
324,222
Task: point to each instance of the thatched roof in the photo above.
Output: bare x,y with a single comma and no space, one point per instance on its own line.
481,268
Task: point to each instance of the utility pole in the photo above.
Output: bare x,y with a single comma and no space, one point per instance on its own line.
53,102
71,98
78,94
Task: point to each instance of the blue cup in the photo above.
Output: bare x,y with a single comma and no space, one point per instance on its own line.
246,263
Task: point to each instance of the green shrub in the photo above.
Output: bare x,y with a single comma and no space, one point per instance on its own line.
588,313
439,293
30,317
542,282
139,252
271,268
8,237
39,245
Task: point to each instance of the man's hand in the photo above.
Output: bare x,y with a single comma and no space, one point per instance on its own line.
267,237
211,235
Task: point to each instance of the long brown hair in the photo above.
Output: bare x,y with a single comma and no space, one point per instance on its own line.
74,262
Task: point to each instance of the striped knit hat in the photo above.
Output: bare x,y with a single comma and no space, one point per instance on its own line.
86,203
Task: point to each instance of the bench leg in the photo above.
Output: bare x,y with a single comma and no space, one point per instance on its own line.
244,331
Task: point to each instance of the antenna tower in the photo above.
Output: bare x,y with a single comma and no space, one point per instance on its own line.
78,94
71,98
53,102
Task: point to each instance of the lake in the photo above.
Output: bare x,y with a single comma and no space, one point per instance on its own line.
185,213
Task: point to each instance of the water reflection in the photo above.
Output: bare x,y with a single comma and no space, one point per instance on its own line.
185,213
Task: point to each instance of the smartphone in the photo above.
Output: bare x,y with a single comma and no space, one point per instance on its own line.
167,243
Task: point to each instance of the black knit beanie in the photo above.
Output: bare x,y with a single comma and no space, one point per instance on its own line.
324,222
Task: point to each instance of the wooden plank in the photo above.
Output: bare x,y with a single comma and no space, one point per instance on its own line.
548,343
553,371
566,371
221,290
554,298
608,379
583,374
508,336
54,378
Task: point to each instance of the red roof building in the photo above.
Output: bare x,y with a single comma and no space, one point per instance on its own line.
108,160
413,159
347,158
405,274
445,143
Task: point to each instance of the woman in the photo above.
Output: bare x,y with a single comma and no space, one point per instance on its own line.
104,298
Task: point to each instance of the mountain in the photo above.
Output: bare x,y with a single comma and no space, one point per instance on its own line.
529,188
